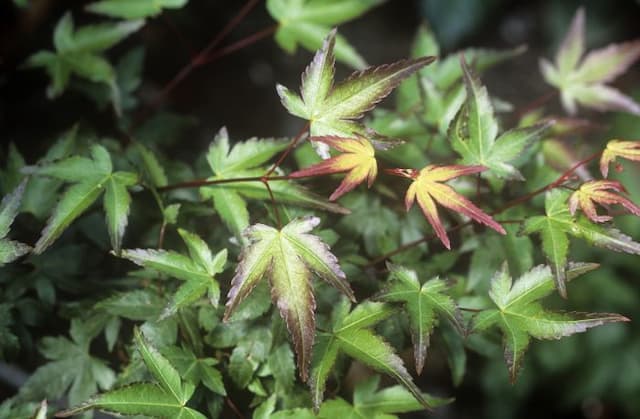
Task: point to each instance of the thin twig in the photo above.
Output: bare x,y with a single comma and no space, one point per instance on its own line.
201,57
242,43
274,204
290,147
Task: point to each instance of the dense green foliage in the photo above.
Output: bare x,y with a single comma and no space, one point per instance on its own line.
233,284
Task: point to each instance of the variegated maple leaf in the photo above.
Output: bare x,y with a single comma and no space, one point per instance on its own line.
599,192
358,159
427,190
287,257
583,80
335,109
629,150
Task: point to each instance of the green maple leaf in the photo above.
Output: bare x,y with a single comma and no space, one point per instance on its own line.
436,92
335,109
165,399
196,370
369,402
423,303
198,270
79,52
558,224
133,9
352,334
90,177
247,159
307,22
288,257
70,370
474,133
11,250
583,79
520,316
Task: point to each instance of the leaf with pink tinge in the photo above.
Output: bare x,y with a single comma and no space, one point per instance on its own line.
427,190
629,150
288,257
582,80
332,110
358,159
600,192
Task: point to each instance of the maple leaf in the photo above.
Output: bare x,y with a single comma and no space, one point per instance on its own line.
422,302
247,159
334,109
351,333
598,191
287,257
307,22
558,224
617,148
582,80
358,160
89,178
426,188
474,132
520,316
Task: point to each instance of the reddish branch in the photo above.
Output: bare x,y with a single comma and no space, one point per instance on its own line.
205,55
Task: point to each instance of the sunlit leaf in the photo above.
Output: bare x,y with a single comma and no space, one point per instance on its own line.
358,159
600,192
629,150
427,189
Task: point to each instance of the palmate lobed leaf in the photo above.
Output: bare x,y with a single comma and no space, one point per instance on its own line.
601,192
245,159
427,189
558,224
78,51
582,79
198,270
166,399
629,150
520,316
423,303
288,257
90,177
307,22
334,109
474,132
133,9
358,159
352,335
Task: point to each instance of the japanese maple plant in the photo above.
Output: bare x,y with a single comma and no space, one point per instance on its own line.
240,284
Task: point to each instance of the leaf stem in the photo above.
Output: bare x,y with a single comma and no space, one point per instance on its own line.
288,150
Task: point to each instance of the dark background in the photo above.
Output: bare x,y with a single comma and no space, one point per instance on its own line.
561,380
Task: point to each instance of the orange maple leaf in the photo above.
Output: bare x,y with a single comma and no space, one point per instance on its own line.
427,190
617,148
598,191
358,159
